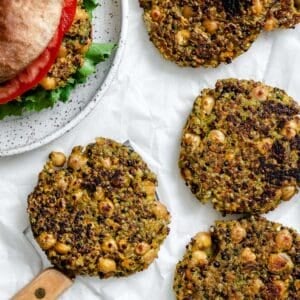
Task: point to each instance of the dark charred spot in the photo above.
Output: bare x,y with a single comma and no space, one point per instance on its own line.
279,109
295,143
232,7
117,179
225,255
89,186
276,176
278,151
194,188
217,264
232,119
229,87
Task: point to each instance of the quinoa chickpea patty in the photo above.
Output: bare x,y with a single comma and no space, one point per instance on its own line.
96,213
72,51
284,13
209,32
241,147
250,258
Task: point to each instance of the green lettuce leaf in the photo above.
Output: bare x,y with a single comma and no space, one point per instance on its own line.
90,5
39,99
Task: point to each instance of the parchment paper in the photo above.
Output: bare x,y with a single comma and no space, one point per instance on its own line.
148,103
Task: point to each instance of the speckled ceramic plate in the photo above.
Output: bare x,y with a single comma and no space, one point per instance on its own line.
30,131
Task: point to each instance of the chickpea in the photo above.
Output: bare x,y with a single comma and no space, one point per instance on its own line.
296,119
99,193
187,174
293,124
76,161
238,233
256,285
289,132
278,194
106,265
187,12
260,92
81,14
229,156
77,195
46,240
149,256
284,240
156,14
62,184
247,256
160,211
128,264
48,83
142,248
225,55
279,263
139,173
79,262
288,192
265,145
149,188
123,244
100,141
109,245
270,24
62,51
199,258
236,296
297,284
217,136
182,37
208,103
257,7
203,240
192,139
58,158
211,26
188,274
106,208
106,162
62,248
297,4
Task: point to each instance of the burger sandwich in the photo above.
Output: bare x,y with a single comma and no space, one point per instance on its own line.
46,49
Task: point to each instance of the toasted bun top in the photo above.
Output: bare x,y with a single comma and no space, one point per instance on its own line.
26,28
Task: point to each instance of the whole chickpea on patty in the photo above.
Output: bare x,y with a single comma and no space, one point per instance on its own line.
96,212
240,147
250,258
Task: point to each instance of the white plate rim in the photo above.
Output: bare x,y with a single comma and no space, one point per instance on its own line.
91,105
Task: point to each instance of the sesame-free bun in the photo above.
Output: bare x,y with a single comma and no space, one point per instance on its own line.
26,28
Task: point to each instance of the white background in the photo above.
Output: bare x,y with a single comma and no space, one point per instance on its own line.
148,104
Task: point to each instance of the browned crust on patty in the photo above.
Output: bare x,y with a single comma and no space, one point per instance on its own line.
241,147
96,213
209,32
250,258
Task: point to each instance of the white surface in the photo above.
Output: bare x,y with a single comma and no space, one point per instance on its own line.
148,103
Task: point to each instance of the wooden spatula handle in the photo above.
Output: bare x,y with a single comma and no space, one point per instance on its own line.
48,285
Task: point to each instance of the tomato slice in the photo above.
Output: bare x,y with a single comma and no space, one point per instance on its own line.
38,69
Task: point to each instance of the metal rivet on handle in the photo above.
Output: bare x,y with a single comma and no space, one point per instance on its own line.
40,293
